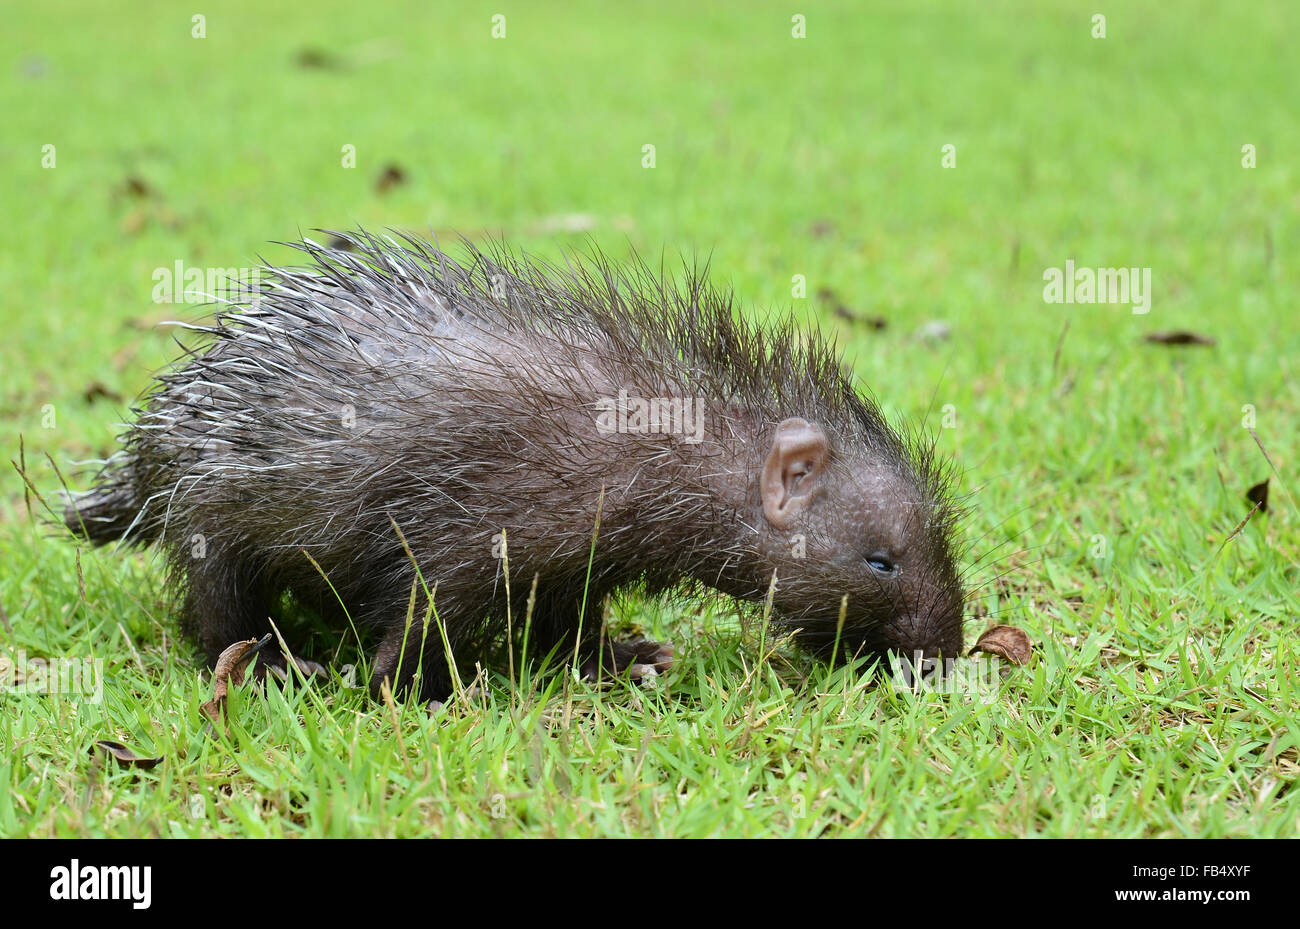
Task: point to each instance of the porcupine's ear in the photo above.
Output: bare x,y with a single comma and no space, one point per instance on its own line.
793,470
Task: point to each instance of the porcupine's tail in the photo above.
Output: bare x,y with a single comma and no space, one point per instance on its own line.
107,512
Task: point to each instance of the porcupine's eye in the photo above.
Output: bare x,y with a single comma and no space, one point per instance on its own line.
881,563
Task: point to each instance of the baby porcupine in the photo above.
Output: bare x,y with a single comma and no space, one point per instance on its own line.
387,386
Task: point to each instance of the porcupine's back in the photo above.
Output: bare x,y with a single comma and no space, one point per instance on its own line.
390,357
366,383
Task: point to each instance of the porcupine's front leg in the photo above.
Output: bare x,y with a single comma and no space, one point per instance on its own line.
401,654
638,659
555,625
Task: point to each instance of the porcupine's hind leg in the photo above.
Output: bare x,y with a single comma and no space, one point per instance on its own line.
223,604
226,602
402,652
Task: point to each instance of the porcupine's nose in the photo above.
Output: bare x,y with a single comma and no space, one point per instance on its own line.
927,641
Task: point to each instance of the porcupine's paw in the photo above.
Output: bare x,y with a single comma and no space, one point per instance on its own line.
276,667
640,660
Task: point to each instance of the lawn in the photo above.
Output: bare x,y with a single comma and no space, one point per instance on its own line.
1108,474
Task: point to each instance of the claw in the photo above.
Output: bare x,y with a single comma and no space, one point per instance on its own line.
641,660
280,672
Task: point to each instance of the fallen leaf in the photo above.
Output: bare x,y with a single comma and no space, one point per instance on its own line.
135,187
877,323
1178,337
1007,642
392,176
232,664
125,757
319,59
95,389
843,311
1259,495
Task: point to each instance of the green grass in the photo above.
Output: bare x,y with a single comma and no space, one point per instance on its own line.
1163,699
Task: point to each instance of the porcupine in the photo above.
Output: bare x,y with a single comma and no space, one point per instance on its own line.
386,408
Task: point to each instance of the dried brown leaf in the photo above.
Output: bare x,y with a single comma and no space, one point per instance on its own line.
1259,495
319,59
1178,337
125,757
135,187
392,176
96,389
1009,642
231,667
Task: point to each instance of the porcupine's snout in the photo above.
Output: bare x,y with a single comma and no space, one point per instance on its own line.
927,637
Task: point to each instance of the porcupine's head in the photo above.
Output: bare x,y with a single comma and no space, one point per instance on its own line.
854,518
857,520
